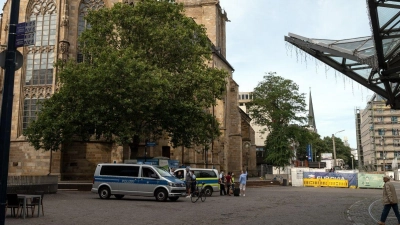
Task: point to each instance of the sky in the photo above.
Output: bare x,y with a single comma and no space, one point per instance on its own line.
256,46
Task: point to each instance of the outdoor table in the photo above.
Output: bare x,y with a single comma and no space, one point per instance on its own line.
27,196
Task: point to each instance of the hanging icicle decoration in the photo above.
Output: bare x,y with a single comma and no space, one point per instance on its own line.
326,71
335,77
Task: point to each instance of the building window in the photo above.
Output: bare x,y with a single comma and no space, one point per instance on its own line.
38,73
379,119
395,132
84,8
381,132
396,154
31,108
394,119
239,97
396,142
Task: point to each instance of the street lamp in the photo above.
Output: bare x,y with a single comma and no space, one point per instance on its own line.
352,156
334,149
246,146
382,142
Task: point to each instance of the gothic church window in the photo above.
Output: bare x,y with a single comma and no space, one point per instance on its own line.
39,58
84,8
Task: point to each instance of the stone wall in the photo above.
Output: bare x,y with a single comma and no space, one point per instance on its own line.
79,159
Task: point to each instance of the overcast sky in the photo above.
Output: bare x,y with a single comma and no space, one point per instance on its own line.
255,46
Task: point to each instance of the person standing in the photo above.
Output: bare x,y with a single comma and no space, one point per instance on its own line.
222,183
389,200
188,180
228,183
242,185
194,183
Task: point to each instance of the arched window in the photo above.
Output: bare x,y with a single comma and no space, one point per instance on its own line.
40,58
84,8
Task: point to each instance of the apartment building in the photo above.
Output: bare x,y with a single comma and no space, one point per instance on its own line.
378,139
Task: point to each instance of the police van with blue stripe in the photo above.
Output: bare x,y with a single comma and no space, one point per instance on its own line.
137,180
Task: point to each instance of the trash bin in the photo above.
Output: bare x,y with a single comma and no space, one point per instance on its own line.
284,182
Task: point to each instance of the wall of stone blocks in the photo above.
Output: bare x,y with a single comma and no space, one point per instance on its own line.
79,159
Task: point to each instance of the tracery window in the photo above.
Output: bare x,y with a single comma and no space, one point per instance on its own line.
84,8
39,58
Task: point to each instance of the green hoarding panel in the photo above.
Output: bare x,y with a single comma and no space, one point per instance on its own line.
368,180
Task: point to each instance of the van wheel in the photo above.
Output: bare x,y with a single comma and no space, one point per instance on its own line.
161,195
104,193
119,196
173,199
208,191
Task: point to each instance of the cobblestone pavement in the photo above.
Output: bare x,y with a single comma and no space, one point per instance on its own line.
368,210
262,205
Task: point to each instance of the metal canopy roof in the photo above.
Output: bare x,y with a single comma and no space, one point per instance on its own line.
373,61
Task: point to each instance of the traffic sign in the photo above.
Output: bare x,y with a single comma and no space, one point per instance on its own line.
25,34
150,144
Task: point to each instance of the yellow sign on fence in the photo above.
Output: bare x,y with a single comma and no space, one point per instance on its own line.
315,182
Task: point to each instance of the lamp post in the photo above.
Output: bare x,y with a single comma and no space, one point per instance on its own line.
352,156
246,146
334,149
382,142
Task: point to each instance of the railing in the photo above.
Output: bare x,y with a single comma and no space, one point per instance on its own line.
30,184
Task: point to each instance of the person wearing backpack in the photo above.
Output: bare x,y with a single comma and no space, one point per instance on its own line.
194,183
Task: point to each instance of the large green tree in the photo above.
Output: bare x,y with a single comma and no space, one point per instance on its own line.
145,71
278,105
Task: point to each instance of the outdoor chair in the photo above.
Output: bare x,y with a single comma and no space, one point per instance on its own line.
35,202
12,203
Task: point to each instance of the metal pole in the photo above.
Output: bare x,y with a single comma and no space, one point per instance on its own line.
352,165
6,107
384,155
334,151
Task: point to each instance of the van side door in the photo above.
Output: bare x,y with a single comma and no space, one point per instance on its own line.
129,179
149,180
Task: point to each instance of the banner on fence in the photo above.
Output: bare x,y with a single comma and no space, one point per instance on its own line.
368,180
350,177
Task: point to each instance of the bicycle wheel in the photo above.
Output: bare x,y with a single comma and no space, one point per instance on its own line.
194,198
203,196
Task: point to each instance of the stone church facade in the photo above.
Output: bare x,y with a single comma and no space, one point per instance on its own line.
58,24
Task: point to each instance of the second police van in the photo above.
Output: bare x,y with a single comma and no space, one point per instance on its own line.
208,176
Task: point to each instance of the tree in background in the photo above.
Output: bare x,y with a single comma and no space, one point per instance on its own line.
342,151
145,71
278,105
317,144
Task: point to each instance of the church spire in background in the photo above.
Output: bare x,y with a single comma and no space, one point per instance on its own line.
311,117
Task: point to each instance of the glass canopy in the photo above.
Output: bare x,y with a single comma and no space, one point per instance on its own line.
372,61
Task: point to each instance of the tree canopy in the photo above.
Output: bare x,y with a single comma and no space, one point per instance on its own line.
145,71
278,105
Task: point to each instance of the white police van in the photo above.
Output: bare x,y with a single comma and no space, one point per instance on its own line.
136,179
208,176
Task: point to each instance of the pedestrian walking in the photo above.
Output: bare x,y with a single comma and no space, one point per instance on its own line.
242,185
389,200
221,182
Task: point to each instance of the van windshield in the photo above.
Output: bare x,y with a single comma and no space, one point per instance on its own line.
162,172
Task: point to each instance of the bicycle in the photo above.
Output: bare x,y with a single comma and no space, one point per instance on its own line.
198,194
